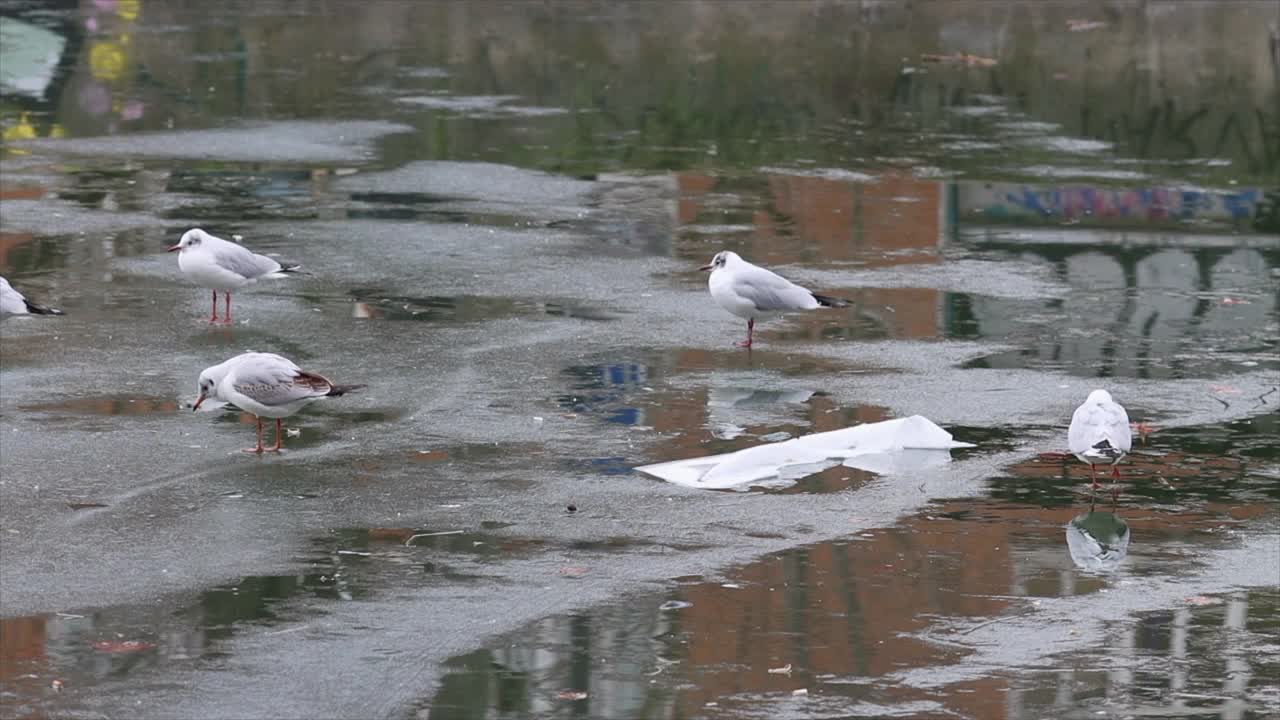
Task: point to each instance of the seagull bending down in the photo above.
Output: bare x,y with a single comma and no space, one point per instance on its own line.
13,302
266,385
751,292
221,265
1100,435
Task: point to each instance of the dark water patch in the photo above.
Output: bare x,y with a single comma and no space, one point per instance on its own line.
1214,657
1229,466
842,620
25,253
107,405
623,543
473,453
371,303
1199,366
773,626
107,187
92,648
234,195
616,465
766,358
990,439
427,207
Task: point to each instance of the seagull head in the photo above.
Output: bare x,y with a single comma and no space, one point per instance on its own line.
207,386
722,258
1098,397
190,239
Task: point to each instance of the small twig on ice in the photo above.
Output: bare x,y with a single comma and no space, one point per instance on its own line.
411,538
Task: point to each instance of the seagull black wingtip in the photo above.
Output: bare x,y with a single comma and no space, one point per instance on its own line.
35,309
828,301
339,390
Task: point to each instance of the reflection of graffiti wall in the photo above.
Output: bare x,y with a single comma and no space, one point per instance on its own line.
1016,201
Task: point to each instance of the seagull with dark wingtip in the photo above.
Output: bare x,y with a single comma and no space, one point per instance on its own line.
222,265
1100,435
753,293
266,385
13,302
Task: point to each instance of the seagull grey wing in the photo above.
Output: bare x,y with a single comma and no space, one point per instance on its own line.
772,293
243,262
277,385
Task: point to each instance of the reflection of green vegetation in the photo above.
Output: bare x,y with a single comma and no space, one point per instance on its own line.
745,93
1267,217
252,599
475,684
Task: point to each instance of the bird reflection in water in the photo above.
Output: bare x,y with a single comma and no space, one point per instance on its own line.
1098,541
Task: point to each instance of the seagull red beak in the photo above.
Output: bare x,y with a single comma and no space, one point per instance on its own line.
174,248
707,268
196,406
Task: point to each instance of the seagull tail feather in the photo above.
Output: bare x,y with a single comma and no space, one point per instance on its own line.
338,390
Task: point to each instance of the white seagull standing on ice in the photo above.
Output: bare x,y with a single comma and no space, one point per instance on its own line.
1100,435
221,265
266,385
751,292
13,302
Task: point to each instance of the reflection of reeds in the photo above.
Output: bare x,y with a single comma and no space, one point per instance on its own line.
745,82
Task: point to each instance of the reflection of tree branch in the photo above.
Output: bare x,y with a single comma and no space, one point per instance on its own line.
1270,155
1181,133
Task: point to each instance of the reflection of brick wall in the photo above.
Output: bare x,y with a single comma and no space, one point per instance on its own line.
22,646
848,220
690,185
9,242
890,225
842,609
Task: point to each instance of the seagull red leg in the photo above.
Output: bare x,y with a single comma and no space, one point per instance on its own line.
227,319
1115,483
751,324
213,314
257,450
1093,475
279,436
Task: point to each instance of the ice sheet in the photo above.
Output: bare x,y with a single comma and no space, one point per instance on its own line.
891,446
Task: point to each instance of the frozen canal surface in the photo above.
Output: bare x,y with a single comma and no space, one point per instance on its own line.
501,210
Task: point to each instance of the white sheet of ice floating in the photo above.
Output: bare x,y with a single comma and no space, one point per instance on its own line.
887,447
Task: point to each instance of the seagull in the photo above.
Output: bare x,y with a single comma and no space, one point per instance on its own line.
221,265
1100,434
266,385
13,302
749,291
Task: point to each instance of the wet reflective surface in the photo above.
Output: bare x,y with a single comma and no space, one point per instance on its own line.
846,622
501,208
